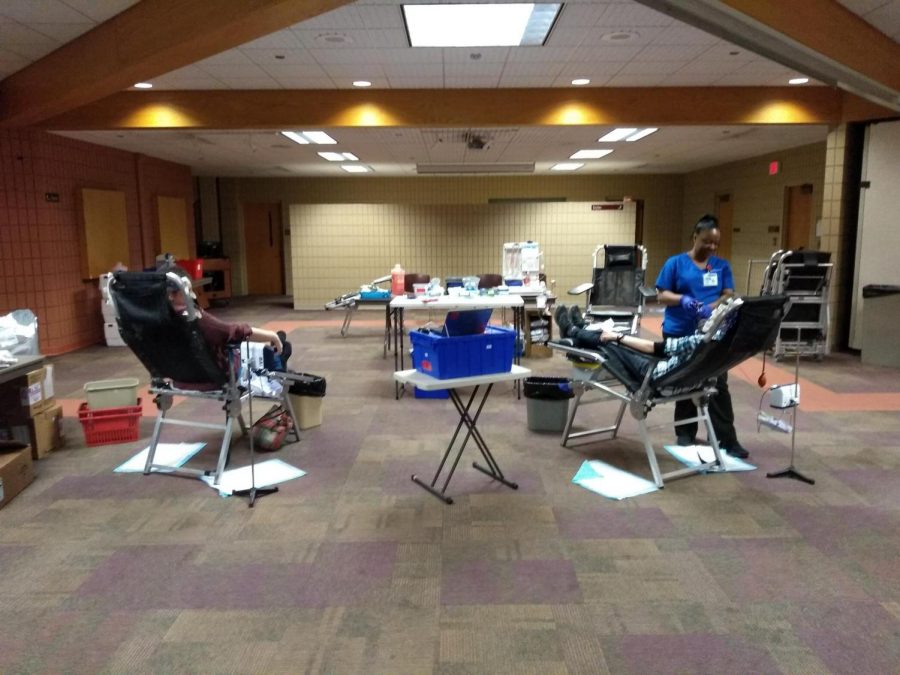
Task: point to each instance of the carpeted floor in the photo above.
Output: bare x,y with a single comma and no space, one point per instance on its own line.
354,569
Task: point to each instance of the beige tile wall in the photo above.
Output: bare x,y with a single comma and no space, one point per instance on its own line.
662,195
758,203
335,247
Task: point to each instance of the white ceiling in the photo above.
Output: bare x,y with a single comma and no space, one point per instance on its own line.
367,40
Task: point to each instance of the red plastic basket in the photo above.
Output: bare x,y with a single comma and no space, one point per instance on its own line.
110,425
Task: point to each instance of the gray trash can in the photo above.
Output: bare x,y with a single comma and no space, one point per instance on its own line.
547,400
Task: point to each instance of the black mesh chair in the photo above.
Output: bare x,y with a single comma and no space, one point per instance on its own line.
172,347
617,289
737,331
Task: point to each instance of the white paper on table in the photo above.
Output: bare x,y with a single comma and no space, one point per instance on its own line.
695,455
270,472
170,454
611,482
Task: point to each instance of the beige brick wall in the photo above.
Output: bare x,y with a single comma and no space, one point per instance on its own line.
335,247
662,195
758,203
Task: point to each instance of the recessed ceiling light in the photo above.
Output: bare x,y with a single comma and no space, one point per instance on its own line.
620,36
143,85
567,166
355,168
581,81
333,39
617,135
591,154
339,156
362,83
319,138
641,134
482,25
296,137
798,80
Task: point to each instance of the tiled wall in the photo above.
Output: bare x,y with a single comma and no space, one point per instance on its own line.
661,194
336,247
40,259
758,200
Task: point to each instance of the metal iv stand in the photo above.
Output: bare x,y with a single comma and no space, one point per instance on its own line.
790,471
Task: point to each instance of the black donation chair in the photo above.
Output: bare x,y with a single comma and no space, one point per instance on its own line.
172,347
617,289
735,332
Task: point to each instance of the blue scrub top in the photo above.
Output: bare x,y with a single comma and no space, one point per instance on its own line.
680,275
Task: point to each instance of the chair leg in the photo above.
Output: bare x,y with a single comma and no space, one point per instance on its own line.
286,402
651,454
573,408
154,440
224,450
703,409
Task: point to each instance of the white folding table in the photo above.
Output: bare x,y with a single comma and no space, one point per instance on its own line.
428,383
449,303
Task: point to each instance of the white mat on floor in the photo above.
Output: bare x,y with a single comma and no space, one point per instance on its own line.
695,455
270,472
171,454
611,482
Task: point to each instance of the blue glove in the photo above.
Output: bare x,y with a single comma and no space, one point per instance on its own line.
704,312
689,304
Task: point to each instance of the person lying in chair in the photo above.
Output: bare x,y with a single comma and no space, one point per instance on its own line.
219,334
671,351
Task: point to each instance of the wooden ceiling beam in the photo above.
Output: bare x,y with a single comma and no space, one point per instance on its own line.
832,30
281,109
149,39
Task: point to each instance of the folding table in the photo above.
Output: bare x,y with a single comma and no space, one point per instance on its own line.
428,383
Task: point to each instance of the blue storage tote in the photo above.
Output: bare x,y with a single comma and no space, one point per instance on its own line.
445,357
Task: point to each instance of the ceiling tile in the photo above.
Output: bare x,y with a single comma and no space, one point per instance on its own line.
40,11
591,69
357,38
580,15
670,52
641,36
364,71
413,82
604,53
271,56
525,82
471,82
414,70
100,10
650,67
636,80
188,83
488,54
326,56
342,18
630,15
476,69
250,83
301,70
12,33
62,32
226,58
550,70
682,34
381,16
250,70
389,38
292,82
283,38
529,54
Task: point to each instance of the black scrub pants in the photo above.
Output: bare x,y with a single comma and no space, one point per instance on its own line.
721,413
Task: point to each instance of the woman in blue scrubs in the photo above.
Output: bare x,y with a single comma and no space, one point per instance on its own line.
691,285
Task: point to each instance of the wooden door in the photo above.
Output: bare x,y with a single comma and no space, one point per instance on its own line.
725,214
264,249
798,216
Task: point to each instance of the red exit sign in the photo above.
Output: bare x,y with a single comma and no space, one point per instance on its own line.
774,168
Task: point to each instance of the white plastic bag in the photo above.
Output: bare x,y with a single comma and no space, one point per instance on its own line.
18,333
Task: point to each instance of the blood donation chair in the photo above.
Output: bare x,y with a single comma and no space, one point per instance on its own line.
736,331
172,347
617,289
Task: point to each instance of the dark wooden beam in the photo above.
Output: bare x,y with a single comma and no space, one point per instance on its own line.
149,39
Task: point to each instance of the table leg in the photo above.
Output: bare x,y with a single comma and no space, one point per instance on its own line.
387,330
471,422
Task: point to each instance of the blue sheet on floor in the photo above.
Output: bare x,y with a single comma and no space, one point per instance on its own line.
170,454
611,482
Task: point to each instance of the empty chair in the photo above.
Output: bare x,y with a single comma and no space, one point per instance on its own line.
617,289
171,345
490,280
413,278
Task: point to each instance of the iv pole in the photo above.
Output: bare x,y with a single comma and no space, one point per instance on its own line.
790,471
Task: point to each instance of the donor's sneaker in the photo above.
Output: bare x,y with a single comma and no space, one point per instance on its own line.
737,450
685,440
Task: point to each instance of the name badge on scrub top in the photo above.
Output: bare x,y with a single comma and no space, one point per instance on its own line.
710,279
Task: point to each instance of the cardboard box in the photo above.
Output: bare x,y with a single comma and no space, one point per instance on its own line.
23,397
16,472
308,410
49,391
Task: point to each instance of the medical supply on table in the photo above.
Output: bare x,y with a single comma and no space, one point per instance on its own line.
522,264
398,280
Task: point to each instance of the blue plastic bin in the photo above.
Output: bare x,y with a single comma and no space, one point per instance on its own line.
465,355
437,393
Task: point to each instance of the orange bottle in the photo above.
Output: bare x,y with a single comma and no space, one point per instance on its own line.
398,280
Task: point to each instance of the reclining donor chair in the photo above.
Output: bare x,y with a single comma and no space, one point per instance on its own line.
172,347
617,288
735,332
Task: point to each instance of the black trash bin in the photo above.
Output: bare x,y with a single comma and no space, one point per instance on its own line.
547,400
306,392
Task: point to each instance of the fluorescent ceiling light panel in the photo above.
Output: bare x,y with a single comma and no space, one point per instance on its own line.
362,83
319,138
294,136
793,80
339,156
143,85
483,25
567,166
355,168
643,133
590,154
616,135
580,81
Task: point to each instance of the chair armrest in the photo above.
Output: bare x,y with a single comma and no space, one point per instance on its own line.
581,288
585,354
647,291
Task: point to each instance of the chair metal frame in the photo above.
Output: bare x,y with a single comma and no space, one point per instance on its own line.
162,387
626,317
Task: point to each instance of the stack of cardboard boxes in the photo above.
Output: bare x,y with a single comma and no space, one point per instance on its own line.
29,413
16,470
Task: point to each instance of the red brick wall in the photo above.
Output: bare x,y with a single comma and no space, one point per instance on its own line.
40,255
